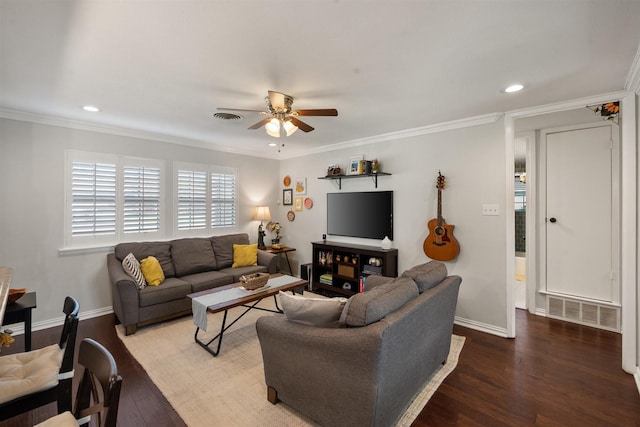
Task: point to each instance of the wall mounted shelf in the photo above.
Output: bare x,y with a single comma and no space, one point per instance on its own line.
339,178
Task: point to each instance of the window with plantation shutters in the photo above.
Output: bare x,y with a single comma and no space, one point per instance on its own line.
141,205
93,199
111,198
192,200
223,200
206,197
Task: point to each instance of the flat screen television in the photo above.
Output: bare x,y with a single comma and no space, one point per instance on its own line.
367,214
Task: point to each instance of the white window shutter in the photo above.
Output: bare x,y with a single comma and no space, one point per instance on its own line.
93,194
141,193
223,200
192,200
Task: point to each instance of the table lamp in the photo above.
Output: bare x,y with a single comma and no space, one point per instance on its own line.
262,214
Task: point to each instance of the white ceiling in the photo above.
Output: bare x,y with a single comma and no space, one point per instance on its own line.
387,66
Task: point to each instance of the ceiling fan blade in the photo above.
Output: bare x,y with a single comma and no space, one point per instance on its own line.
319,112
301,125
277,100
242,109
260,123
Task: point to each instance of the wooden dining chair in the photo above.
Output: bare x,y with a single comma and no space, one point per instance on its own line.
98,392
35,378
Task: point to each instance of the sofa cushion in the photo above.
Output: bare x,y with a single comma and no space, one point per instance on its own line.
427,275
160,250
223,247
152,271
245,255
132,267
172,289
193,255
207,280
371,306
312,311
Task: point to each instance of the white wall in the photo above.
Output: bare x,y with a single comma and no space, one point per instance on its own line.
32,160
472,159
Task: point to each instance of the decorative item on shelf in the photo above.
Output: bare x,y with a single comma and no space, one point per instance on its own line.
354,166
375,261
354,260
338,257
255,281
333,170
365,167
386,243
345,258
262,214
15,295
375,166
346,286
275,227
609,110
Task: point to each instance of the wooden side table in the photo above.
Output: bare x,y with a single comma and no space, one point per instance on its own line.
283,250
20,311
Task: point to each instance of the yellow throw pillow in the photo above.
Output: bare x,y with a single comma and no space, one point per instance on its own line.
152,271
245,255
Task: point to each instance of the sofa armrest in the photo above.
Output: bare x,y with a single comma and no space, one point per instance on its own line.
303,363
126,300
268,260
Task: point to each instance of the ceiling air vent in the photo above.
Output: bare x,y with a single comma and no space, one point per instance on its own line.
227,116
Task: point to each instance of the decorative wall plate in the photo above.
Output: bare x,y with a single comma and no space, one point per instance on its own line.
286,181
291,215
308,203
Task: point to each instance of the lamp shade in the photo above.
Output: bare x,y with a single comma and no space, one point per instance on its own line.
262,214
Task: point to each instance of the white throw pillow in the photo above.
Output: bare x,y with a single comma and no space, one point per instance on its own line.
312,311
132,266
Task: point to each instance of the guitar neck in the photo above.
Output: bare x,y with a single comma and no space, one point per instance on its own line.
439,207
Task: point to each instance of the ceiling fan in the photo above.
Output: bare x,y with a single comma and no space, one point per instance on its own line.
282,117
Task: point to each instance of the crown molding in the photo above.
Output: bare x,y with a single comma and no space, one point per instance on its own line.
633,78
567,105
43,119
409,133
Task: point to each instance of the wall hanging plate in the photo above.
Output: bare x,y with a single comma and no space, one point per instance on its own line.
291,215
308,203
286,181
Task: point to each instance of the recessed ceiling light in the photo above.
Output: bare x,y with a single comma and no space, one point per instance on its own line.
272,144
91,108
514,88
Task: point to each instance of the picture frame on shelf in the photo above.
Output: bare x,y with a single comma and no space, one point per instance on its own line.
297,203
354,166
287,196
301,186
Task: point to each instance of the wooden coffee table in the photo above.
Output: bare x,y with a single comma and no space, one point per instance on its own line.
224,298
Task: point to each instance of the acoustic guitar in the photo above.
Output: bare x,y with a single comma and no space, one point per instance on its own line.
440,244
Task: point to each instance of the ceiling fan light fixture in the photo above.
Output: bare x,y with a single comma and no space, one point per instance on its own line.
289,127
273,128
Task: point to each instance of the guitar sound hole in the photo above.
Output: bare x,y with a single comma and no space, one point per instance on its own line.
439,231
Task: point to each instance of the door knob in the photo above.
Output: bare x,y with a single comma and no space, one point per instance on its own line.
552,219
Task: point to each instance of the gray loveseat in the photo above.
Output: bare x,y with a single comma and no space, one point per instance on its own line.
189,265
397,333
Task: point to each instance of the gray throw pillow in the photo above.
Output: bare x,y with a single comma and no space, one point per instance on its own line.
371,306
312,311
427,275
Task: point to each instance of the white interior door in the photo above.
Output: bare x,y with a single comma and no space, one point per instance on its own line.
579,212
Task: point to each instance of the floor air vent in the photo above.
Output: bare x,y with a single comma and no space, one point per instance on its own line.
586,313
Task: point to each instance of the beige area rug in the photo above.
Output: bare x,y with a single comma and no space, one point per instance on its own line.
229,390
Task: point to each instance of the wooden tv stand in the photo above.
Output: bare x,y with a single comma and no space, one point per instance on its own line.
347,263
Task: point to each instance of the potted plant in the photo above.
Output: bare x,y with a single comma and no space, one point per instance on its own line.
275,227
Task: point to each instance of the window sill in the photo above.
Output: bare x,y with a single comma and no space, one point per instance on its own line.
80,250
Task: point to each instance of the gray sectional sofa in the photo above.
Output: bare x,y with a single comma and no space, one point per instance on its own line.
189,265
365,373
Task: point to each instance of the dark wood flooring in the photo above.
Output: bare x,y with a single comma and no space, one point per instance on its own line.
553,374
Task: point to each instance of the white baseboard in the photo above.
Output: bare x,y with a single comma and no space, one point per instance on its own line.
482,327
636,376
58,321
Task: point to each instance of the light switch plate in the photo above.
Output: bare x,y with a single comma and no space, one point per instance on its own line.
490,210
